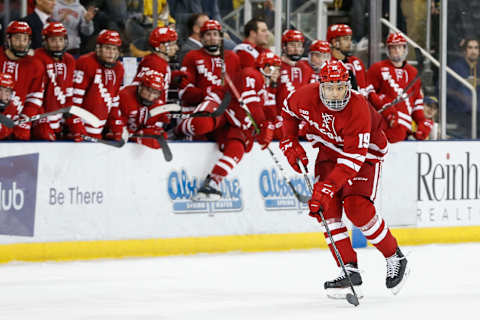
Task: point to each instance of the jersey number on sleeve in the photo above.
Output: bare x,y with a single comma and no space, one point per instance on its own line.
363,140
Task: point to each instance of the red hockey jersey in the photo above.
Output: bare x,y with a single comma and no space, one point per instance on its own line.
96,88
153,64
291,78
136,113
310,73
29,74
58,84
250,85
248,53
389,82
205,71
348,137
356,67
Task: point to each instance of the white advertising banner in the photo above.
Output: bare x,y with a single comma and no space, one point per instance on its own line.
65,191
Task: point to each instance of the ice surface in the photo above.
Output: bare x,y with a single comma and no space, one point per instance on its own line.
443,284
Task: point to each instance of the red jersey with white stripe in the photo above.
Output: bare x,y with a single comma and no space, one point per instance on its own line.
58,84
28,74
251,88
153,64
310,73
96,88
248,53
136,113
359,72
291,78
390,82
205,71
348,137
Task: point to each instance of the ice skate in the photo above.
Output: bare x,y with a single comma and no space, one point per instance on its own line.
208,191
397,271
339,287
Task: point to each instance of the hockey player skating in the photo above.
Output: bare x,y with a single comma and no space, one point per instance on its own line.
347,132
59,66
389,79
97,81
234,130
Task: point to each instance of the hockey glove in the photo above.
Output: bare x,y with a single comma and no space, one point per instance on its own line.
322,196
267,129
76,128
22,131
423,129
179,79
292,149
4,131
150,142
43,131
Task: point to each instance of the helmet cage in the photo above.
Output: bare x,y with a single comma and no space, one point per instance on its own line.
335,104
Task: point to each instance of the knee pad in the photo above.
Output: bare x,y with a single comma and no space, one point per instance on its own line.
359,210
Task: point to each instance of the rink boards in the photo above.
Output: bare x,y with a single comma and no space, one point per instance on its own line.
65,201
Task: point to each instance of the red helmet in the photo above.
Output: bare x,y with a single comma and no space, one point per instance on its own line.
211,25
334,71
161,35
267,58
154,81
396,38
338,30
19,27
292,36
6,81
54,29
320,46
111,37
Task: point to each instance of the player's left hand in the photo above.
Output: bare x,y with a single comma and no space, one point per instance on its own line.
267,129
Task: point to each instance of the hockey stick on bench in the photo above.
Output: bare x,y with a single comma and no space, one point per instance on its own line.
352,298
174,110
301,198
167,152
87,116
112,143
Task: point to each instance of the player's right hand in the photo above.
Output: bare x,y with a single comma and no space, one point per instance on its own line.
179,79
76,128
293,150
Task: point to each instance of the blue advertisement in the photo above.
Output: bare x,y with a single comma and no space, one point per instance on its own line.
181,188
18,194
277,193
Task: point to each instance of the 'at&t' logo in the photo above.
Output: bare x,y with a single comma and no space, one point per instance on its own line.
182,188
277,193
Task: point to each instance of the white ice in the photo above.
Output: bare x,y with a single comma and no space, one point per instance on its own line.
444,284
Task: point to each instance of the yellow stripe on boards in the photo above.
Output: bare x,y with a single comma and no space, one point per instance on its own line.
83,250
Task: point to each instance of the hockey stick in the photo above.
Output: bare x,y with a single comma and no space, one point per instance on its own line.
404,95
175,114
112,143
87,116
351,298
297,195
167,152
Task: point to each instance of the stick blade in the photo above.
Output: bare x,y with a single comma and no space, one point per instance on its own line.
87,116
166,108
352,299
167,153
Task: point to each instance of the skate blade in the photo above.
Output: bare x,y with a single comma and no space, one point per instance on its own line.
341,293
206,197
395,290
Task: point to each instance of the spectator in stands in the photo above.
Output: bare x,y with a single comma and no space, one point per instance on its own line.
41,15
459,98
141,24
463,22
77,20
194,23
182,10
430,109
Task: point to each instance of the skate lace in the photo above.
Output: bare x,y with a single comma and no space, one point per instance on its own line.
393,266
349,269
